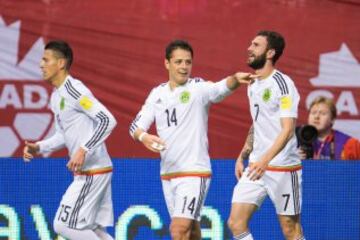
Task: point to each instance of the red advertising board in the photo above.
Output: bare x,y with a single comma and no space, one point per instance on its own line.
119,54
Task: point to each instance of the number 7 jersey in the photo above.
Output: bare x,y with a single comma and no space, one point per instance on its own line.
270,100
181,117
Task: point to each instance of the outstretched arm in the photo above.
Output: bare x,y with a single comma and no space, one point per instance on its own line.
216,92
55,142
234,81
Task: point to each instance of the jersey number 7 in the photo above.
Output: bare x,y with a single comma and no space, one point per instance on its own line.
257,110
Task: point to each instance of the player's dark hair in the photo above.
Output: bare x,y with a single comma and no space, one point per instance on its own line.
63,50
275,41
176,44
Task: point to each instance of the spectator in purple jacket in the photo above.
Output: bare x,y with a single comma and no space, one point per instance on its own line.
330,144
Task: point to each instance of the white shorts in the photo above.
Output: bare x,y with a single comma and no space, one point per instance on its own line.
283,188
185,196
87,203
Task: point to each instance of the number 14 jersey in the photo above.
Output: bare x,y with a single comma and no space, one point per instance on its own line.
181,117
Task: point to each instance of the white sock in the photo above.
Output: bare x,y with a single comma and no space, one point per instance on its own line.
244,236
75,234
102,234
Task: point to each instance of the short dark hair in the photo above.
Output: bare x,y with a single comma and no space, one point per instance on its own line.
275,41
63,49
176,44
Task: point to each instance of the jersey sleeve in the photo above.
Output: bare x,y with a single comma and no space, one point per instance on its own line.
215,92
94,109
53,143
145,116
288,98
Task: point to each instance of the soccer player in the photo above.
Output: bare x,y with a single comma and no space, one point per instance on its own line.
82,125
180,109
274,165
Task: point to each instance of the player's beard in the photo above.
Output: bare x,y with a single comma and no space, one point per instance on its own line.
258,62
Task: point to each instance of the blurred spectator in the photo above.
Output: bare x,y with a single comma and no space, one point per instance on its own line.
330,144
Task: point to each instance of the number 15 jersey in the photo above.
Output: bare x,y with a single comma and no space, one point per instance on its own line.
181,117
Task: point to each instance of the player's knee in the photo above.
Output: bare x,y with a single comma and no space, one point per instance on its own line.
237,226
233,225
179,230
291,230
288,233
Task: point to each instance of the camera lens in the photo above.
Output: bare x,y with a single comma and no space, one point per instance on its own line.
308,134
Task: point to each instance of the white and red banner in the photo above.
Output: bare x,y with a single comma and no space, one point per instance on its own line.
119,52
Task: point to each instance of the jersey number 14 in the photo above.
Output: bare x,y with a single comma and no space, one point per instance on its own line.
171,117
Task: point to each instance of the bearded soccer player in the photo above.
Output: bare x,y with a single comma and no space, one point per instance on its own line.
180,109
82,125
271,146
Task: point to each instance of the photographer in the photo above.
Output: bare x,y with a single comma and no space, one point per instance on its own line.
330,143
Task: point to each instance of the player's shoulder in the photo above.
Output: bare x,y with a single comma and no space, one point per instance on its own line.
79,85
279,76
159,88
75,88
197,84
196,80
282,82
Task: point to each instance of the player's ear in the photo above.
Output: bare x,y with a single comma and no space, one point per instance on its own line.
166,64
270,53
62,63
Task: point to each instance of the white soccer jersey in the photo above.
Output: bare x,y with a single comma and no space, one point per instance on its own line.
181,117
270,100
80,121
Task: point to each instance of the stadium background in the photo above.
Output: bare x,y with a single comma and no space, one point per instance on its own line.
119,51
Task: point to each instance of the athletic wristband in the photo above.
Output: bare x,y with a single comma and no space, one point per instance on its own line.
141,136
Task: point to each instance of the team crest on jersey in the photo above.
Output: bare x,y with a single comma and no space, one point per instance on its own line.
266,95
185,97
62,103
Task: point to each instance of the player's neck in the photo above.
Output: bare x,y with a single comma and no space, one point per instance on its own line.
173,84
59,79
265,71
